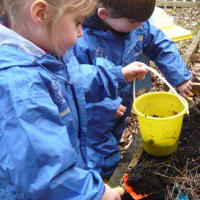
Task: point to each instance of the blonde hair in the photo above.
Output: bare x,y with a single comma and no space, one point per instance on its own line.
56,9
1,7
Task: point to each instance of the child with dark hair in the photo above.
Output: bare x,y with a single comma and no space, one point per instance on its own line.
119,31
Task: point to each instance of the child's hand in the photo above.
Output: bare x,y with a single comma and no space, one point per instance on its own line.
185,88
110,194
134,70
120,111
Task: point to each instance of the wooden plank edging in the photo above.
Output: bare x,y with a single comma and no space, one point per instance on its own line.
192,48
185,4
130,158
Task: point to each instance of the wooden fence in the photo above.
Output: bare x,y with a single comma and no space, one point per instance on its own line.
178,3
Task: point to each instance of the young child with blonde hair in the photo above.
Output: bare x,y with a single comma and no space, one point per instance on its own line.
119,31
43,119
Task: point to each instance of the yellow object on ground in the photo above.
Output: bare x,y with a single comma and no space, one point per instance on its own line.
160,116
165,22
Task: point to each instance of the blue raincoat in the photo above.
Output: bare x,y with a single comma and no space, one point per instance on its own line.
122,49
43,122
101,120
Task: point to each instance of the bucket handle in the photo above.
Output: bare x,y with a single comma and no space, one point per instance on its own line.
172,89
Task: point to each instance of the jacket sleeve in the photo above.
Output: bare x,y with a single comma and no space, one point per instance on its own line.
164,53
101,80
37,155
101,112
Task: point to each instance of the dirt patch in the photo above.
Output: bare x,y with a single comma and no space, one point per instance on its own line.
168,177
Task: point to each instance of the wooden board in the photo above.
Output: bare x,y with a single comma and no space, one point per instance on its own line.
186,4
130,159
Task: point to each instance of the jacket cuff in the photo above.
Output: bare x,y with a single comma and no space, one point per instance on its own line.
101,192
117,71
176,82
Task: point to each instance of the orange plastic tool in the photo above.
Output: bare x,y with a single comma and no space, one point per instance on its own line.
129,189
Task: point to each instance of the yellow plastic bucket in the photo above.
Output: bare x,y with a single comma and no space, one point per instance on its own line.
160,117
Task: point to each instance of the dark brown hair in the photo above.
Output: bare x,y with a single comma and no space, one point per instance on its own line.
138,10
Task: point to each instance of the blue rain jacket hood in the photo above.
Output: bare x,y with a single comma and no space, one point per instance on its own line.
122,49
44,122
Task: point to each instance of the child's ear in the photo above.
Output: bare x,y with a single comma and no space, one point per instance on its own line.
103,13
39,11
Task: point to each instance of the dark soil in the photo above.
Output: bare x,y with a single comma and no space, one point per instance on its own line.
167,177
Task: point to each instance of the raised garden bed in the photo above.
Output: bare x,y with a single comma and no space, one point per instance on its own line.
168,177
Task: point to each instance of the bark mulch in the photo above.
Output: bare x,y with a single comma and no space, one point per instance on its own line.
168,177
